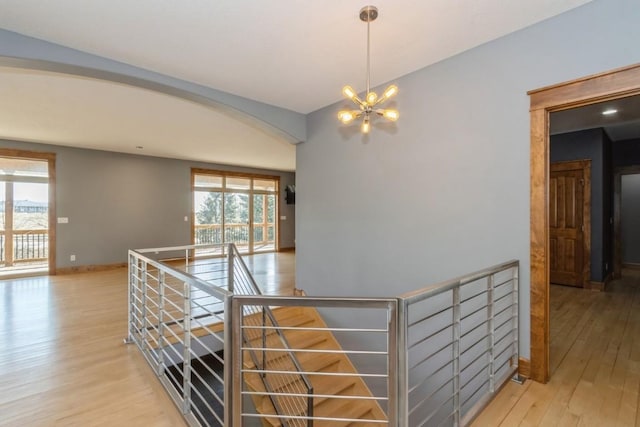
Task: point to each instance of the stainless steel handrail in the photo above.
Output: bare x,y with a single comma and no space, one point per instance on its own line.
388,307
167,309
237,267
449,348
469,347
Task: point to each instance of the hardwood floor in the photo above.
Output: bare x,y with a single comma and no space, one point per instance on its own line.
595,364
63,362
275,273
62,357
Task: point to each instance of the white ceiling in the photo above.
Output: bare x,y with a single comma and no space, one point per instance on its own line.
72,111
295,54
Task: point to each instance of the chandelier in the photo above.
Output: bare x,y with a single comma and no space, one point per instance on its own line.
367,107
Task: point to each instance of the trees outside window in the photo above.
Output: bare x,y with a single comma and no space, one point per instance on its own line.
235,209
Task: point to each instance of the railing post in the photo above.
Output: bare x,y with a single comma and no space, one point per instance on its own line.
236,363
161,364
229,355
264,343
456,355
230,268
490,332
143,308
129,338
403,363
397,354
310,407
186,351
516,320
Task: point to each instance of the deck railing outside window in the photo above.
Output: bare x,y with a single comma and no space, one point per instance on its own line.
27,246
211,234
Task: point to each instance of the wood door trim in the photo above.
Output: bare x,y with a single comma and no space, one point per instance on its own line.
617,238
614,84
585,166
51,163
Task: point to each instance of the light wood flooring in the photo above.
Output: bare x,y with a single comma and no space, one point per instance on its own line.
595,364
62,357
63,361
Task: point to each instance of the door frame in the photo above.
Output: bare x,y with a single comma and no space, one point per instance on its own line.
50,158
618,83
617,237
585,166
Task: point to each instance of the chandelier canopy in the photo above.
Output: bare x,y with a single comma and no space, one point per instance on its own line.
368,106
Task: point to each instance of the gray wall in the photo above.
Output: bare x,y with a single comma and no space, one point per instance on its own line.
117,202
607,211
626,153
630,218
591,144
447,191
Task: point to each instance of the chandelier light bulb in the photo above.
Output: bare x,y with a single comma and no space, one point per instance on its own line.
391,115
366,126
372,98
349,92
390,91
346,117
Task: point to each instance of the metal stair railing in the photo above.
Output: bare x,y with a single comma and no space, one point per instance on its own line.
441,353
377,319
175,319
294,405
458,345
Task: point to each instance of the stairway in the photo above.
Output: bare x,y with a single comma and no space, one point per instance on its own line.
332,387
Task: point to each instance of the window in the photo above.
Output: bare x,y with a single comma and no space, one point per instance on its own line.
24,215
234,208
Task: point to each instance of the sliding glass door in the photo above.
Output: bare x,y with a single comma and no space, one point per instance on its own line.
233,208
24,215
264,215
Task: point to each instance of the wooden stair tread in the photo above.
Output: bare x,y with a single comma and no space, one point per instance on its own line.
322,384
290,319
283,315
342,408
330,386
299,340
327,406
310,361
296,339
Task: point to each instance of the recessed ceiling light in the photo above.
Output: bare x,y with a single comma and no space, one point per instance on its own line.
609,111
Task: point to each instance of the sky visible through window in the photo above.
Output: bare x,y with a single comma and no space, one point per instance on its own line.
27,191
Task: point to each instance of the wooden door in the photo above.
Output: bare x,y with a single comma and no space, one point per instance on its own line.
566,224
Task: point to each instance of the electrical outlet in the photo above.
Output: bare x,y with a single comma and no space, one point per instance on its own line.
72,258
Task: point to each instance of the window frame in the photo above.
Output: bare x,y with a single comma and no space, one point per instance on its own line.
250,192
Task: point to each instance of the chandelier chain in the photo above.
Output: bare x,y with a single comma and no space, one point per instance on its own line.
368,57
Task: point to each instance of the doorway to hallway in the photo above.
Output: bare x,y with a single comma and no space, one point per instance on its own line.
611,85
